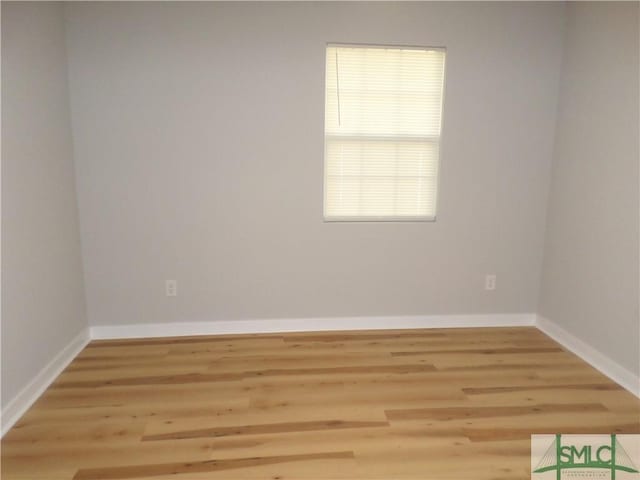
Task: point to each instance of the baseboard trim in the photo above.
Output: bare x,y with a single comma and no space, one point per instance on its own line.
29,394
309,325
589,354
19,404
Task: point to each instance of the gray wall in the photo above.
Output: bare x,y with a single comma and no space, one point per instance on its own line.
198,144
199,147
43,304
590,281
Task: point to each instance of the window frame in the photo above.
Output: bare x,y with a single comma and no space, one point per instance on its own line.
384,218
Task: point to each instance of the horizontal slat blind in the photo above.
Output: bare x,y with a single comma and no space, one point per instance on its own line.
382,132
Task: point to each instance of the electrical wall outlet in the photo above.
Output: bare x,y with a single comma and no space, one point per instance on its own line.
490,282
171,288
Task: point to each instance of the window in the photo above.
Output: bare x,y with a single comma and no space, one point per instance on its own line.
383,107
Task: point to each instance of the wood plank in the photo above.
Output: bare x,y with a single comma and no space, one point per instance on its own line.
161,469
285,427
481,351
452,413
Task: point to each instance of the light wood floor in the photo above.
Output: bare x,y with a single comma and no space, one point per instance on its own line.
404,404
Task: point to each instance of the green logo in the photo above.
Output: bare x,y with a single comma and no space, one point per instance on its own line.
606,454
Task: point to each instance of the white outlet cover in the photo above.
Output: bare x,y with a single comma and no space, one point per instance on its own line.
490,282
171,288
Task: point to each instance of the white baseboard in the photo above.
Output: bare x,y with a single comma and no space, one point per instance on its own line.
18,405
589,354
309,325
29,394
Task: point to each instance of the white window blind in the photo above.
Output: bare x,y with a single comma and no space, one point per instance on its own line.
383,107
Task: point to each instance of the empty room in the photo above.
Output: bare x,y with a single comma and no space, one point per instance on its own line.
320,240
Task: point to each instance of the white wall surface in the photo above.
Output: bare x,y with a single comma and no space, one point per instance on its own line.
43,305
590,280
199,149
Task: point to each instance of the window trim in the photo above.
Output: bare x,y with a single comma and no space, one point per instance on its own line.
395,218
